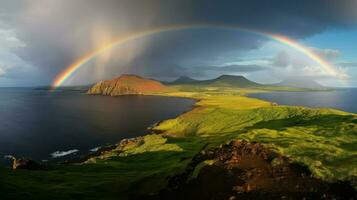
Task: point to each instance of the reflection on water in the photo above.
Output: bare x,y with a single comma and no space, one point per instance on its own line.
37,123
340,99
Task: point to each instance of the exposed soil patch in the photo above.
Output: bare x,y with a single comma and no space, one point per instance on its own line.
127,85
242,170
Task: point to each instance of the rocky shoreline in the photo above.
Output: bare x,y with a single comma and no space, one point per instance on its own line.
237,170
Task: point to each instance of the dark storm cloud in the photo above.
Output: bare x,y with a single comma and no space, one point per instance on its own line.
56,32
232,68
198,47
294,18
159,70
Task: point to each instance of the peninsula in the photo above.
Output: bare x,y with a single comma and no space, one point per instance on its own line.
243,146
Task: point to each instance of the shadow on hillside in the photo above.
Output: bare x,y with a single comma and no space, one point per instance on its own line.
326,121
114,178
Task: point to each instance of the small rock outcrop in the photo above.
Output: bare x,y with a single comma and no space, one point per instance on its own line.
243,170
24,163
127,85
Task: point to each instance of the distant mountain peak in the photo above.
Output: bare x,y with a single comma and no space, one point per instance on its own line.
233,76
301,82
234,80
184,80
223,80
225,76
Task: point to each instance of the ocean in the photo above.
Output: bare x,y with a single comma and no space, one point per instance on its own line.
342,99
48,126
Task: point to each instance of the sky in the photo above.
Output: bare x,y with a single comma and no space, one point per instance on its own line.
41,38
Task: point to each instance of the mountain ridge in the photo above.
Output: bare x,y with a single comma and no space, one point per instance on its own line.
183,80
223,80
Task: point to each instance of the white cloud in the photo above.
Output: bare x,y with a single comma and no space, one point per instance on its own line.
328,54
285,62
9,41
9,60
58,154
2,71
347,64
291,57
293,62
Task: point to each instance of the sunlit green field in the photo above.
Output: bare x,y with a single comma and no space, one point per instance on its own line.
323,139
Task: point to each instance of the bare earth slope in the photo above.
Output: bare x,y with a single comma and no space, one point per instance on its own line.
242,170
126,85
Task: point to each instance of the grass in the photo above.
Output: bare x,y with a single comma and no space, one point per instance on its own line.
323,139
139,169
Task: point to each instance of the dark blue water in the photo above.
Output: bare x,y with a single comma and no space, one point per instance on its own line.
343,99
35,123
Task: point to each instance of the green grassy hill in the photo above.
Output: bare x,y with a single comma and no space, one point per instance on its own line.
322,139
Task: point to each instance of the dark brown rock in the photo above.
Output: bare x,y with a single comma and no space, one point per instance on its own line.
24,163
243,170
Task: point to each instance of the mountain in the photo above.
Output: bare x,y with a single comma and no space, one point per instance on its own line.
127,85
224,80
301,83
235,81
184,80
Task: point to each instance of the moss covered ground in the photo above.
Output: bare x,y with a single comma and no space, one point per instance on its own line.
325,140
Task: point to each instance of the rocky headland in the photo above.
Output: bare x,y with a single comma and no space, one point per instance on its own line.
127,85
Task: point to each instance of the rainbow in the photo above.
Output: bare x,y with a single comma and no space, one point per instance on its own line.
330,69
75,66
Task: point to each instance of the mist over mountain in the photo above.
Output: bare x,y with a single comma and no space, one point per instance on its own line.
232,80
223,80
301,82
184,80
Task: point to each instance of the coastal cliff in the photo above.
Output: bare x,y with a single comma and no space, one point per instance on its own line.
127,85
